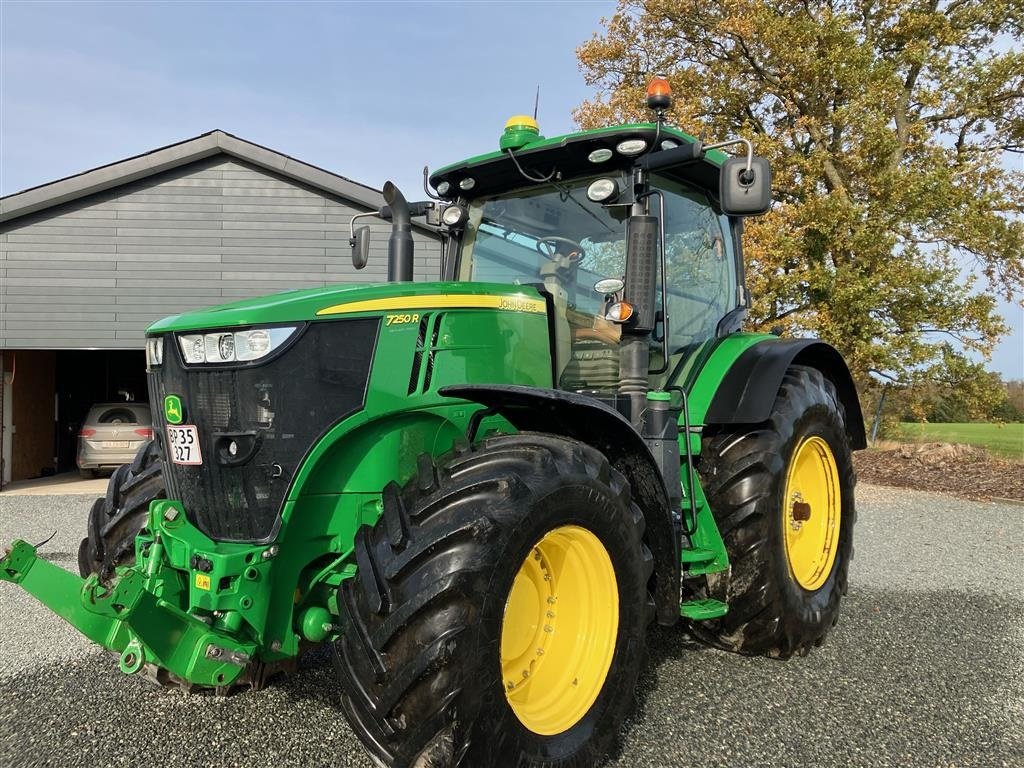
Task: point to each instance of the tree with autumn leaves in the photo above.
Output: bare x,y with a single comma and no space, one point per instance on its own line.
888,124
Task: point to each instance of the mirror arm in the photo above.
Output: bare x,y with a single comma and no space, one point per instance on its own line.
421,208
732,142
686,153
352,225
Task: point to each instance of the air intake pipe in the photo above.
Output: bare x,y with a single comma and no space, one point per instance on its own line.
400,245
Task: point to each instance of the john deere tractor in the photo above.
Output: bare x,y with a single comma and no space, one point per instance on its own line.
481,490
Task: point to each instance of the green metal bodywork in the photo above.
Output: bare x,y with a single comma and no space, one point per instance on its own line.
263,601
257,603
291,306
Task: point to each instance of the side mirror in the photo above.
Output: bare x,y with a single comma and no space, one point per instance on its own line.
360,242
743,192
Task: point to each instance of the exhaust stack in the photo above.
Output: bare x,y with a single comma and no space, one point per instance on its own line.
400,245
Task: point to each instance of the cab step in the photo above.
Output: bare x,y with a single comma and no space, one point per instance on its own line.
701,610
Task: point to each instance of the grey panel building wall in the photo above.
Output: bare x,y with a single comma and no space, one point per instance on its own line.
95,272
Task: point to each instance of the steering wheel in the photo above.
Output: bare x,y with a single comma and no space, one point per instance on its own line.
548,247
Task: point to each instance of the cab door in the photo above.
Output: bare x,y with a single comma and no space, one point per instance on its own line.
701,276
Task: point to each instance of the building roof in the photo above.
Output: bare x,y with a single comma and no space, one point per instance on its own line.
174,155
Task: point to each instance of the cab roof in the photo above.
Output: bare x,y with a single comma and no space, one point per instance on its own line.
568,156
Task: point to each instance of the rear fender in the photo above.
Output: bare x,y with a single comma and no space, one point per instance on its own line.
592,422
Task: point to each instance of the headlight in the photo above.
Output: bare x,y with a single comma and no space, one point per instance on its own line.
254,344
220,347
154,351
232,346
193,348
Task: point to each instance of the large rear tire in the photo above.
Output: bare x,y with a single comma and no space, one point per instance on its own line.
116,519
499,613
782,495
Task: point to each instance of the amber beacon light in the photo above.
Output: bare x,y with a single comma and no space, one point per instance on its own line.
659,94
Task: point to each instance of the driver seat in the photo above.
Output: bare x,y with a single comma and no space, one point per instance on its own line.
593,363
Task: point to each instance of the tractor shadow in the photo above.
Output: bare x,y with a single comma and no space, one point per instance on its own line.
905,679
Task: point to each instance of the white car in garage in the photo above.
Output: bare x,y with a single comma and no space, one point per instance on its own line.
111,435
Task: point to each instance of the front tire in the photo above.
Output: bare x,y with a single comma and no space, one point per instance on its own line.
116,519
499,613
782,495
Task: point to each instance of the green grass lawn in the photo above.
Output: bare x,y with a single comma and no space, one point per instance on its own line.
1000,439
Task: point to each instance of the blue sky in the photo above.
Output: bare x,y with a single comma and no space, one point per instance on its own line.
370,90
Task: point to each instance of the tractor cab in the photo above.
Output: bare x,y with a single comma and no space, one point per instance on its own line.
631,233
568,239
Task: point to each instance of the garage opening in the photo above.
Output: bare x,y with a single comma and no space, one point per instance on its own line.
85,378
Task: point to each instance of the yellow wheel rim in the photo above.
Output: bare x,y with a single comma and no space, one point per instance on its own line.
811,511
558,630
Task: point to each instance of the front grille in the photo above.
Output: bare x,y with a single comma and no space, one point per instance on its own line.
280,407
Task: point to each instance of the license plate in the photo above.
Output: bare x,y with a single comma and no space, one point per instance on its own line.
183,443
115,443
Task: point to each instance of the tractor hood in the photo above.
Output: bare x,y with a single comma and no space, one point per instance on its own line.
363,298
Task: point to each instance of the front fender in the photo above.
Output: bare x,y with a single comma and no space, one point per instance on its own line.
749,388
590,421
363,455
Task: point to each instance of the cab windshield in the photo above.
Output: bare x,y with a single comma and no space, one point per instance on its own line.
554,238
532,236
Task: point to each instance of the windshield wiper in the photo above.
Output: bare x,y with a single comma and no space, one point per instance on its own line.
550,179
568,194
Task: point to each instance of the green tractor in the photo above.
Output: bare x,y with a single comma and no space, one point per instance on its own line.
481,491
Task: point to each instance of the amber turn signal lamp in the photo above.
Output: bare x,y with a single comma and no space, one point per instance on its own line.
619,312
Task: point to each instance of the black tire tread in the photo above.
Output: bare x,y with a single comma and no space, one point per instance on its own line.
739,472
116,518
410,604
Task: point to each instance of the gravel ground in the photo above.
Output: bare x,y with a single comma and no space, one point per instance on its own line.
926,668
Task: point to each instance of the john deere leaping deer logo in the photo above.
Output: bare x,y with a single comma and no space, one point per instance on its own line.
172,409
